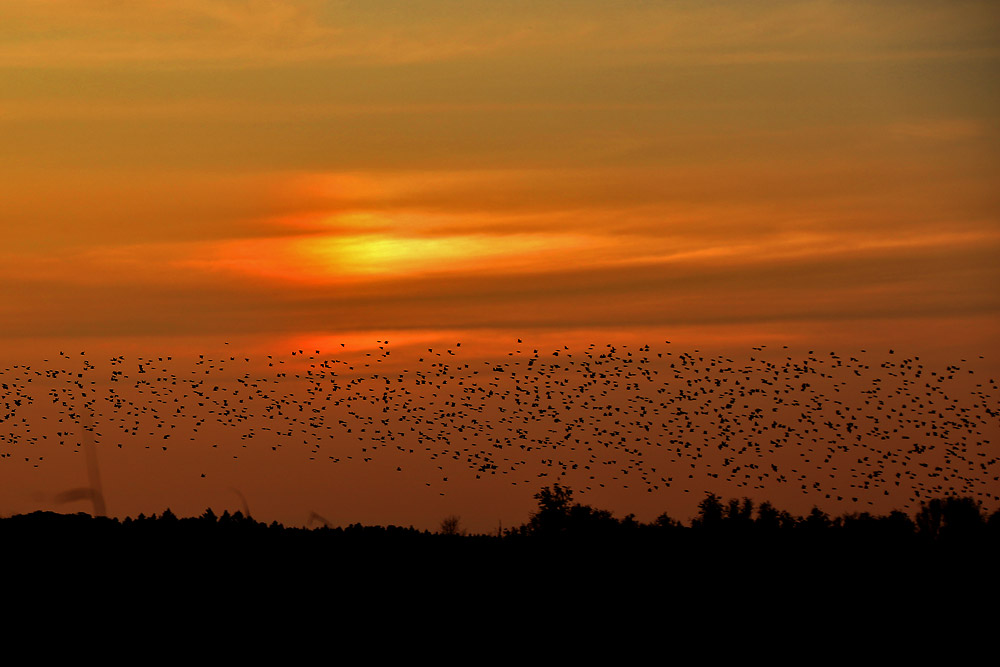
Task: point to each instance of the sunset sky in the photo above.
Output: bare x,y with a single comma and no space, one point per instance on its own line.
178,174
275,167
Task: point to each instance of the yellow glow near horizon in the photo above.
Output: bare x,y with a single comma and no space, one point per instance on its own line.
229,166
395,255
371,246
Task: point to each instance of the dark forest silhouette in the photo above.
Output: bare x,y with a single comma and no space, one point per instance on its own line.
566,553
557,520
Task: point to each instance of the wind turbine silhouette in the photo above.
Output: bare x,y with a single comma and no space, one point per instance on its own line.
243,499
313,517
94,491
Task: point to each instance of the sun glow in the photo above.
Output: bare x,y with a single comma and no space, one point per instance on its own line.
391,255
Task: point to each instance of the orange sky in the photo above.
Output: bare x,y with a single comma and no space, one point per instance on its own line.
173,175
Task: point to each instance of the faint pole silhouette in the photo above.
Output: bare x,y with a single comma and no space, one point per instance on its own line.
94,491
318,519
246,506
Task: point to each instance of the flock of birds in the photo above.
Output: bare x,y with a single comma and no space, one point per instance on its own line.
836,428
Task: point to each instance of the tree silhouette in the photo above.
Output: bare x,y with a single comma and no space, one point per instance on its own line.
817,521
768,518
962,516
929,518
950,518
665,522
710,511
552,516
451,525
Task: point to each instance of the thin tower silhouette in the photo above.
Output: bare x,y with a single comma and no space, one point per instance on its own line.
94,491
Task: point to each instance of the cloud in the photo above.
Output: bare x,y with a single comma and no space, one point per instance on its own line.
941,129
53,210
899,281
269,166
263,32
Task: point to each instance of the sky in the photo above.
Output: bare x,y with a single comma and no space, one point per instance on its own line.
303,172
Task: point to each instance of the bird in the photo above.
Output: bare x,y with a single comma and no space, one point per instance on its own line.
861,427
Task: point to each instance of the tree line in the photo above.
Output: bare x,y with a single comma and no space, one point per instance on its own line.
558,519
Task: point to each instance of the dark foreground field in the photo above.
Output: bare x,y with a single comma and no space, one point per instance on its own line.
571,573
